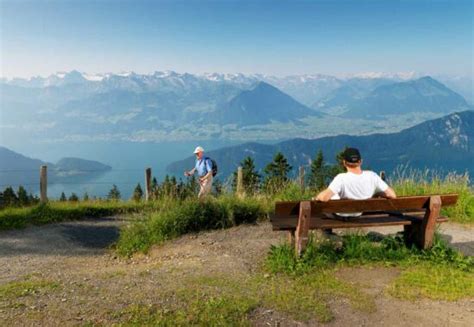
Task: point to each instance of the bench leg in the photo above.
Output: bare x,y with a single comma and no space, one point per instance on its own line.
421,233
302,230
428,225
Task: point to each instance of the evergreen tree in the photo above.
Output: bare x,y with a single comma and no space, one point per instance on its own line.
319,172
73,197
277,173
86,197
114,193
279,167
2,201
339,166
137,193
63,197
154,183
22,196
250,177
9,197
154,188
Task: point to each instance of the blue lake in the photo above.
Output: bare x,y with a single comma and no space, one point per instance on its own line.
128,162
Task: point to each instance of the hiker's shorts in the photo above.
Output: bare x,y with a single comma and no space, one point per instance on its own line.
206,188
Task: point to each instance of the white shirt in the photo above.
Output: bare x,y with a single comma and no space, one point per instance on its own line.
357,187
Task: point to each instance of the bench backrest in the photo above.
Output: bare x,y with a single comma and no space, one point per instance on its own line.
403,203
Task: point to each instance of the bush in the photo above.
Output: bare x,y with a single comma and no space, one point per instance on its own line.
181,217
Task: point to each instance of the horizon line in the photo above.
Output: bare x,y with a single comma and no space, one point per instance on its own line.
361,74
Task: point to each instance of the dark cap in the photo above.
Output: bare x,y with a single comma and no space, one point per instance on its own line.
351,155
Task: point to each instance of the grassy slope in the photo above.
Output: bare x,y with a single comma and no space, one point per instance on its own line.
56,211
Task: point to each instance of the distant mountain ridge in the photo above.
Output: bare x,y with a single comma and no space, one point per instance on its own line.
16,168
446,143
162,106
421,95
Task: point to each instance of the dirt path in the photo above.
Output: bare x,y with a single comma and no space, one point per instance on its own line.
88,283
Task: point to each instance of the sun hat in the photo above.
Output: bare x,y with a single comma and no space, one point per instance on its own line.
352,155
198,149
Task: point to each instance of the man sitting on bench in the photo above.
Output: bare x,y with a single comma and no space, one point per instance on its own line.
355,184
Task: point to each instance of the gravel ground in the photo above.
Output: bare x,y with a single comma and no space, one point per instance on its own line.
95,283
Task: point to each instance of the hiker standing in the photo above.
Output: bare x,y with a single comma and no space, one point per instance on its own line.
204,169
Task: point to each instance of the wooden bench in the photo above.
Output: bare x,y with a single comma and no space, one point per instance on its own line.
417,214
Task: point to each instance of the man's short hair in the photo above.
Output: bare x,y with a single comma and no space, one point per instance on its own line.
352,164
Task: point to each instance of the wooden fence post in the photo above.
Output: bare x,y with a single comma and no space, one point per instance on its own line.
44,184
240,182
301,178
147,184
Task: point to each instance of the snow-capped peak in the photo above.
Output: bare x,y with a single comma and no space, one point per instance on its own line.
93,77
372,75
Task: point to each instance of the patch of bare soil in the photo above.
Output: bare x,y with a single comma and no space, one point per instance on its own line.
94,285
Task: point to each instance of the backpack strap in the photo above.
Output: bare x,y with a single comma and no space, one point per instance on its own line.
208,160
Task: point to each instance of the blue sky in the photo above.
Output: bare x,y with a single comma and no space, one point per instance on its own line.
272,37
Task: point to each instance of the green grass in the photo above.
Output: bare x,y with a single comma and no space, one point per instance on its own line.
359,249
181,217
427,182
433,281
292,192
16,289
55,211
200,310
307,296
219,300
439,272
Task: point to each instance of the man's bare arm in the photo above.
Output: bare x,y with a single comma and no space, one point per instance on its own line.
324,196
191,172
390,193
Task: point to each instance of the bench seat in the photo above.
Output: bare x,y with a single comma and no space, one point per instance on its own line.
290,223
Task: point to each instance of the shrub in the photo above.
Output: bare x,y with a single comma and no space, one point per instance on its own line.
181,217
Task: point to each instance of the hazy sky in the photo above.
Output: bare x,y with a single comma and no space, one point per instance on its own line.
273,37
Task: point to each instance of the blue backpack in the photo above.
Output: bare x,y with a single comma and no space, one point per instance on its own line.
213,165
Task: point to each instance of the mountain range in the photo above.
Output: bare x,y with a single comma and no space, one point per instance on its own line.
445,144
421,95
164,106
16,168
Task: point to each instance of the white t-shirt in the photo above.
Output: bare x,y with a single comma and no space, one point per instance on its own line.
356,187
